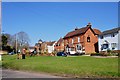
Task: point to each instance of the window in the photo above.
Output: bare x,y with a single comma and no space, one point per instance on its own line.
71,49
113,45
78,39
112,35
88,39
78,47
101,37
72,40
104,46
56,44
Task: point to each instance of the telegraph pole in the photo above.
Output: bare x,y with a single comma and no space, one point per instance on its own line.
16,43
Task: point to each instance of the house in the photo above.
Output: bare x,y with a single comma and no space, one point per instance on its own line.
59,46
109,40
43,47
83,40
31,48
50,46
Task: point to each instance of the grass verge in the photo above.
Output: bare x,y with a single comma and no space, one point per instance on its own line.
80,66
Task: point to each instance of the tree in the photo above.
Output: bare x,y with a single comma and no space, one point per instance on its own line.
22,39
4,40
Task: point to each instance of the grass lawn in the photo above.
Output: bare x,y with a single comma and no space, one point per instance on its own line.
80,66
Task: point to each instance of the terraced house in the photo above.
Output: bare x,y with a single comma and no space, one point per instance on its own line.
110,40
83,40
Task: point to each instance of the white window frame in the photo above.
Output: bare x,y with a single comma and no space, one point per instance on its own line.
78,39
72,40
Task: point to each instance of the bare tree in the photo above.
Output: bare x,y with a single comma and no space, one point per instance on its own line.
20,40
23,39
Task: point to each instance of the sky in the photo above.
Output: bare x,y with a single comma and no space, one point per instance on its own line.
51,20
60,0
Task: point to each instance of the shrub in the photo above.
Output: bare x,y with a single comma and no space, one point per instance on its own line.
95,54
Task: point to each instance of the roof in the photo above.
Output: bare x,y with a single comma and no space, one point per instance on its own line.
81,31
110,31
76,32
60,41
31,47
97,31
50,43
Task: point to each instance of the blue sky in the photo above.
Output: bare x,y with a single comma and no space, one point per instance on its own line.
60,0
51,20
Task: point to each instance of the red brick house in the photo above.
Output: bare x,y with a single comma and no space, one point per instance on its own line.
59,46
83,40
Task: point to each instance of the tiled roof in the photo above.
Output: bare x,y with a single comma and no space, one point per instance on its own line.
50,43
110,31
31,47
60,41
97,31
76,32
82,31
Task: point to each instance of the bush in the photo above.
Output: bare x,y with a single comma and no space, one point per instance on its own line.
95,54
99,54
7,48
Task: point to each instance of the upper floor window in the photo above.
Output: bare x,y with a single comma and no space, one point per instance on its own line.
101,37
72,40
88,39
78,39
58,44
66,41
112,35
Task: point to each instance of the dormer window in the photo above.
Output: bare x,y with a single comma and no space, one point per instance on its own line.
88,39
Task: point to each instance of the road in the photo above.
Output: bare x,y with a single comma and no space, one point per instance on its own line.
7,73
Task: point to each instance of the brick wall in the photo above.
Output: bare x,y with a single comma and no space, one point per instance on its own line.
90,46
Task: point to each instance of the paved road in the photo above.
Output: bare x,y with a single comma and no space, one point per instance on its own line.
20,74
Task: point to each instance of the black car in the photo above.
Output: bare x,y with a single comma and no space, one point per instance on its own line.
61,54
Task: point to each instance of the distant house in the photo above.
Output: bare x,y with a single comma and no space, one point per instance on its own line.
43,47
59,46
109,40
31,49
50,46
83,40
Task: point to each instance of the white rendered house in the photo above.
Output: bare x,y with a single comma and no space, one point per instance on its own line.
109,40
50,46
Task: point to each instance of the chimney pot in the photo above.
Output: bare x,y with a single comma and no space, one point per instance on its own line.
89,25
76,28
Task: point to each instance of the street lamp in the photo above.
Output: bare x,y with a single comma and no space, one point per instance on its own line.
16,42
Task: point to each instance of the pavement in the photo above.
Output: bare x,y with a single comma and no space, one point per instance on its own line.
7,73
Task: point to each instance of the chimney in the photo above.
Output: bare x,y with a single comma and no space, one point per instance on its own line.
89,25
76,28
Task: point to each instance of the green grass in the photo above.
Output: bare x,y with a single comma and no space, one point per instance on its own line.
81,66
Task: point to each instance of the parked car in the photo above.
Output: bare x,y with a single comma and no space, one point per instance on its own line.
61,54
11,53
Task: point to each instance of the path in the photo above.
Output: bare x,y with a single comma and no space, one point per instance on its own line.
6,73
